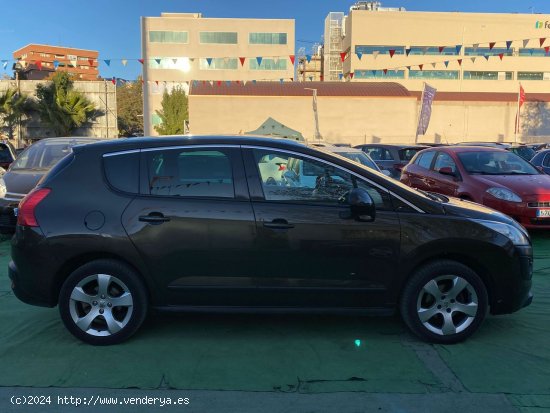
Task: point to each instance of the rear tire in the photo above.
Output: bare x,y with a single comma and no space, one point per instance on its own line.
444,302
103,302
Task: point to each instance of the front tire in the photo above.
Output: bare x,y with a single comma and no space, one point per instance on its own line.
444,302
103,302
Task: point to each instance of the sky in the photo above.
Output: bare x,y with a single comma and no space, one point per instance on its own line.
113,26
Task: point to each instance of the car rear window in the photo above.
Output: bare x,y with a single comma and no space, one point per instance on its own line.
5,154
122,171
406,154
45,154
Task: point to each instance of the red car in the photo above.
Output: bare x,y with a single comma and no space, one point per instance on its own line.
490,176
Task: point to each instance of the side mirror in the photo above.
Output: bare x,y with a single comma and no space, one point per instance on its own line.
361,205
447,170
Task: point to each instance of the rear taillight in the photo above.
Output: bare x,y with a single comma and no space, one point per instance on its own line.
25,215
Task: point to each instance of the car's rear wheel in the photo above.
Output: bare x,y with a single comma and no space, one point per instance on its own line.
444,302
103,302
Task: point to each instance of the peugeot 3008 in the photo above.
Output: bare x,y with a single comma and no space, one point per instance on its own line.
191,223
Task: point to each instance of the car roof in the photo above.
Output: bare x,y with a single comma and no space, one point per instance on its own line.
393,145
473,148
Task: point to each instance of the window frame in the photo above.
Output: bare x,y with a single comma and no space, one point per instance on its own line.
434,161
417,161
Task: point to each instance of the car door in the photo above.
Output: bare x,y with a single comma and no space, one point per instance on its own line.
419,173
443,183
194,226
312,252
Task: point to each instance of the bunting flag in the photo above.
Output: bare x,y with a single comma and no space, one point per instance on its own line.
433,65
475,46
175,60
73,63
501,55
408,51
351,75
107,62
55,64
38,64
113,80
242,59
408,68
244,82
254,81
292,58
525,43
308,58
209,61
282,80
441,48
373,72
91,62
459,62
4,64
158,61
228,82
343,56
542,40
547,49
157,82
486,57
508,44
359,55
458,48
428,95
219,83
424,50
391,52
446,62
375,54
385,71
473,59
259,60
310,78
421,67
491,45
211,83
140,61
124,62
340,76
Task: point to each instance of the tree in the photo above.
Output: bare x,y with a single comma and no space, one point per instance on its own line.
174,112
15,109
129,102
61,107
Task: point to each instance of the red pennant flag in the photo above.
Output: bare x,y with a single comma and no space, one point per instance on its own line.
204,82
459,62
292,79
157,82
441,48
322,78
237,81
547,49
140,61
38,64
113,80
542,40
292,58
351,75
219,82
91,62
420,67
501,55
491,45
386,71
242,59
343,56
392,52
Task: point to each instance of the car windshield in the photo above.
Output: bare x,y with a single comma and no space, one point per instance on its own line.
5,154
525,152
360,158
495,163
406,154
45,154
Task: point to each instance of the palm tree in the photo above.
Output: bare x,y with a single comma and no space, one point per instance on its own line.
61,107
15,109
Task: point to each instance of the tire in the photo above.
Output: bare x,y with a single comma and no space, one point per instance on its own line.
444,302
103,302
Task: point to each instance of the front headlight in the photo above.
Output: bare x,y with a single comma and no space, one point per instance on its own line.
504,194
514,234
2,188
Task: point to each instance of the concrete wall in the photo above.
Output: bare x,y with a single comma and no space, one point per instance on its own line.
101,93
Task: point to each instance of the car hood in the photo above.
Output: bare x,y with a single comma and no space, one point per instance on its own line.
520,184
467,209
22,181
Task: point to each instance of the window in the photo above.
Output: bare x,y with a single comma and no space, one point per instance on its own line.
471,75
486,51
268,64
406,154
190,173
425,160
379,49
218,37
378,153
546,161
433,50
293,178
433,74
444,160
533,52
83,58
267,38
122,171
220,63
161,36
172,63
531,76
71,57
374,74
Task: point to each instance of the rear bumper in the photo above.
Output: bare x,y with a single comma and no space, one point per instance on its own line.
8,220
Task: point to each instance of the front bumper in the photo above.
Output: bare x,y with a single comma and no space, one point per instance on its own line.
521,212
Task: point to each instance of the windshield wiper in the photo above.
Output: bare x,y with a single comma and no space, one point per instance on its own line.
482,173
517,173
429,195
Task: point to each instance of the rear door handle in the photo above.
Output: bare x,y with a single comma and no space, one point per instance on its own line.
278,223
154,218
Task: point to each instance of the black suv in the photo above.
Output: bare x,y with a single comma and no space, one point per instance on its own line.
223,224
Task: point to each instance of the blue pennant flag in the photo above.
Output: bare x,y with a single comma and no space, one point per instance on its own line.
408,51
228,82
310,78
158,61
281,80
340,76
4,64
195,83
308,58
259,60
458,48
254,81
486,56
446,63
209,61
374,72
107,62
359,55
55,63
508,44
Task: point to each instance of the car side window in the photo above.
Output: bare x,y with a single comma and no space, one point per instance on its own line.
546,161
286,177
191,173
378,153
444,160
425,160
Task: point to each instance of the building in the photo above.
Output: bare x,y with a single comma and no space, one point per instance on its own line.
454,52
178,48
38,61
310,66
333,47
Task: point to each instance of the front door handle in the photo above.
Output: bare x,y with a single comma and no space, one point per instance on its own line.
278,223
154,218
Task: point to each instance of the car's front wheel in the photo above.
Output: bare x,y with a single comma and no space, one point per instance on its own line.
444,302
103,302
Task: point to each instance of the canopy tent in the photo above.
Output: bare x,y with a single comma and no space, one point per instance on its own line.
273,128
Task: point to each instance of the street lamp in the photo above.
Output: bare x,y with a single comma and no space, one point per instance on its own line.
18,69
316,117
